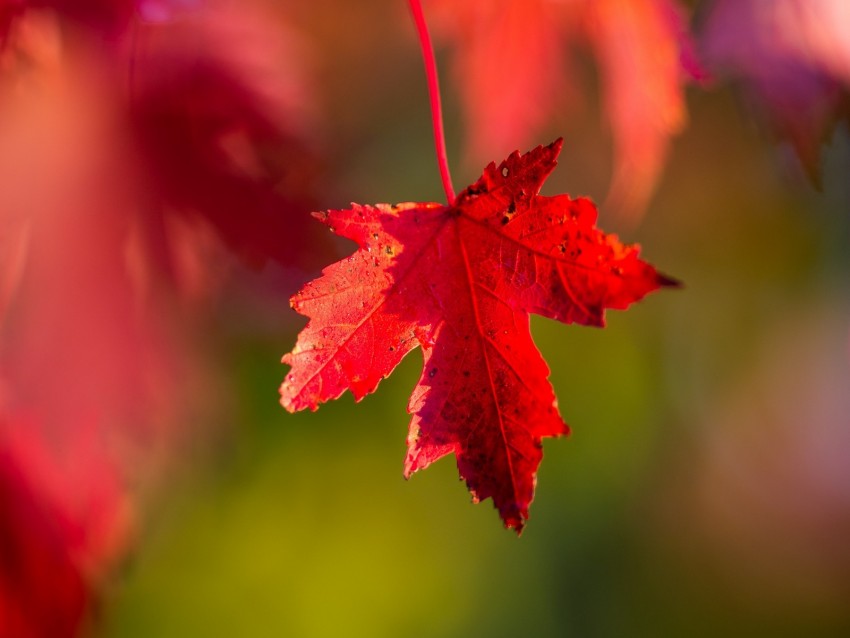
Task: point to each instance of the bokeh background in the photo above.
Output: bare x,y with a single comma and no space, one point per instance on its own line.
704,491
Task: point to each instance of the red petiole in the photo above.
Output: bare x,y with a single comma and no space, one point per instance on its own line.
434,93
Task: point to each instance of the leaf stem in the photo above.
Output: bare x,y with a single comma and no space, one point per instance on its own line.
434,93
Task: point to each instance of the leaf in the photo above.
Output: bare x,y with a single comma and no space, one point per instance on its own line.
220,108
460,281
792,59
66,523
217,101
645,55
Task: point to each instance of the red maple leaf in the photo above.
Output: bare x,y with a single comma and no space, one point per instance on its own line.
460,281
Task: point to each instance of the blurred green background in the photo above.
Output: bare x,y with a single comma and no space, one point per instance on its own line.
705,489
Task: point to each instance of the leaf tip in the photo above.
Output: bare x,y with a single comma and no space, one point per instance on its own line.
666,281
515,521
292,403
286,401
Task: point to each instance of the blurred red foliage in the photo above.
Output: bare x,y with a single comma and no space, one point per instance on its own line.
140,143
66,522
513,74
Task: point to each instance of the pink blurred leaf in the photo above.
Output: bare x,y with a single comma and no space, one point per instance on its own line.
792,58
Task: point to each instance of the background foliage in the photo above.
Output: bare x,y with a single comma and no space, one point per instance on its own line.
705,489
